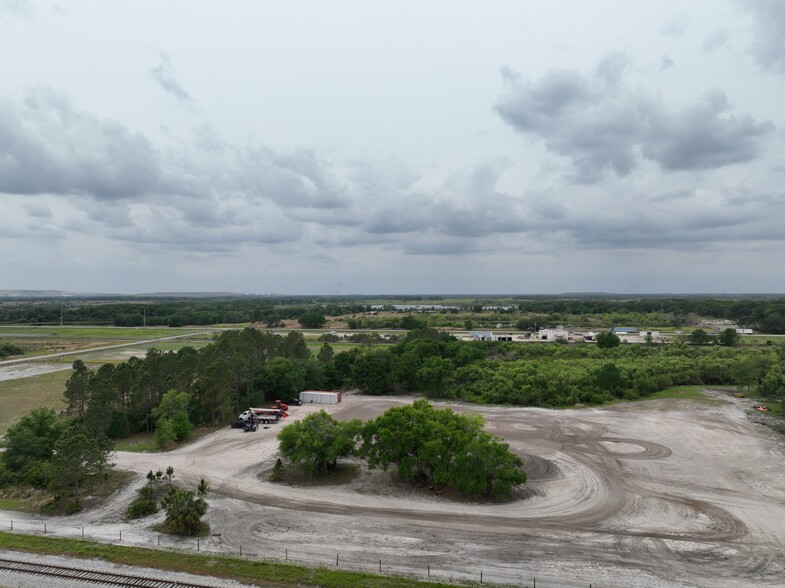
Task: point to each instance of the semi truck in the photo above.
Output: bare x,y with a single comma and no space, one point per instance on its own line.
261,415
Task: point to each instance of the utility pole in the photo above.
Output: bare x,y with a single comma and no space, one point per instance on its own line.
61,317
144,318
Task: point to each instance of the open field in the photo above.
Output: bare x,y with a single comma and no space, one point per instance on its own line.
94,333
661,493
18,396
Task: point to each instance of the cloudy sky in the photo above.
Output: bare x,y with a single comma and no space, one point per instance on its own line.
344,147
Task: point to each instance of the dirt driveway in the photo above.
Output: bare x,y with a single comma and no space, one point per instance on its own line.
659,493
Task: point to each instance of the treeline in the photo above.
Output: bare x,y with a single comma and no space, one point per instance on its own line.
249,367
762,314
66,457
239,369
553,375
169,313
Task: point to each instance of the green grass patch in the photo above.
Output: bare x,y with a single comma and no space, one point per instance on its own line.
25,498
257,573
20,396
146,443
678,392
96,333
137,443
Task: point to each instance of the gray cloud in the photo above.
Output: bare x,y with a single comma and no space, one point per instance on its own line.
703,136
164,76
213,196
601,125
666,62
768,44
46,145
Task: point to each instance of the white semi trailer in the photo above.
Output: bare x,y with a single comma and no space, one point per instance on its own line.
316,397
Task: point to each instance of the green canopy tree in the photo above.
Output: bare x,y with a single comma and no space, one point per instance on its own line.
172,422
77,388
699,337
313,319
315,443
729,338
78,456
430,446
32,439
608,340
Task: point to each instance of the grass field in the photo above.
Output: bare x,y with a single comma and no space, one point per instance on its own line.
678,392
18,397
254,572
95,333
146,443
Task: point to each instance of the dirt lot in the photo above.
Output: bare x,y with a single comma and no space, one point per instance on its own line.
660,493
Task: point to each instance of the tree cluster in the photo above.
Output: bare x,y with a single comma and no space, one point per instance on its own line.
427,446
62,456
209,385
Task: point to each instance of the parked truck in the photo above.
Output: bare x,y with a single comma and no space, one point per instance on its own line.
261,415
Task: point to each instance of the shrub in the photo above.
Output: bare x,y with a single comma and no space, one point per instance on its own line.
142,507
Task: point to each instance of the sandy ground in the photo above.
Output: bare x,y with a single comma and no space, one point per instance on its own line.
659,493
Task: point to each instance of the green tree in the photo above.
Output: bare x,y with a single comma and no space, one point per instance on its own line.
171,414
729,338
32,439
313,319
77,388
78,456
745,371
412,323
433,375
315,443
283,377
430,446
608,379
699,337
326,354
607,340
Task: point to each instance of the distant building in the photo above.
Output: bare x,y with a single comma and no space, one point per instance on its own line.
488,336
744,331
652,334
625,330
481,335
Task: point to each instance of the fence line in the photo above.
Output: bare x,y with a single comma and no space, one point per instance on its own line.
326,558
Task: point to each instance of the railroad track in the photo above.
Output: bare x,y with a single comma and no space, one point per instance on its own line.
82,575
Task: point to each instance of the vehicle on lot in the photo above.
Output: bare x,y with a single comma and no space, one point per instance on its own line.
238,424
250,426
280,404
294,402
261,415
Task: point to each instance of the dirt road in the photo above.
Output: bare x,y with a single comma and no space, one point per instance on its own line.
660,493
